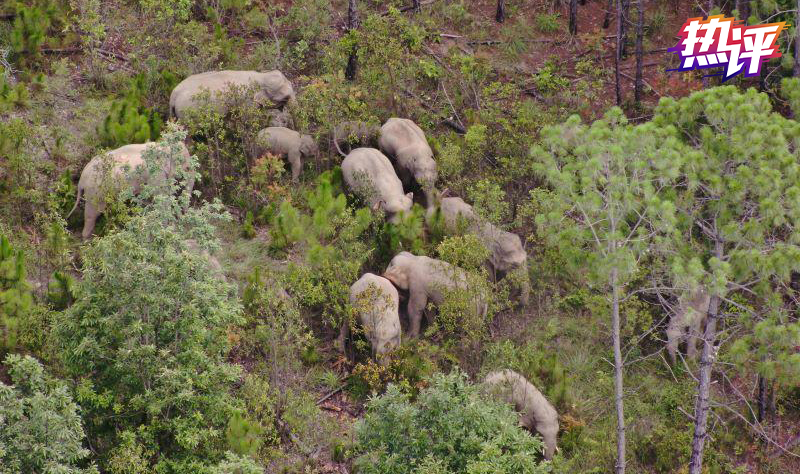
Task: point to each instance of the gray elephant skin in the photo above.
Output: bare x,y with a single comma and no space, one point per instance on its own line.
271,86
427,279
404,141
376,303
287,143
506,251
120,164
348,135
686,322
536,413
370,174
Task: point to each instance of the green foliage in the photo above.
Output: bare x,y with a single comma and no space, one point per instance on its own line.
243,435
61,291
42,429
547,22
128,123
466,251
16,298
30,31
147,332
332,233
449,428
12,96
406,234
248,229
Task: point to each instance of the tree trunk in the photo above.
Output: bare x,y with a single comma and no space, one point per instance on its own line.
762,398
710,7
796,71
618,394
637,89
743,7
618,52
352,24
623,28
415,6
704,380
573,17
500,15
607,19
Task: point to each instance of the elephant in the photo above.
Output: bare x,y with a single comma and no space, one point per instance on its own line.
689,315
507,254
347,134
272,87
427,279
118,164
370,175
404,141
376,302
536,413
285,142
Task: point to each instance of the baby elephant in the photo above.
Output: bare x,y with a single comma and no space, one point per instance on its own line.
405,141
427,279
348,134
271,86
376,302
536,413
370,175
119,164
507,253
284,142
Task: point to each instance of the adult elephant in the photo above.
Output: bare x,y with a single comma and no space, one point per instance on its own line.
271,86
119,167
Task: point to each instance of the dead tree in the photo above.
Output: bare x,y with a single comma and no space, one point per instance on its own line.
415,6
500,15
607,18
573,17
352,24
637,88
622,30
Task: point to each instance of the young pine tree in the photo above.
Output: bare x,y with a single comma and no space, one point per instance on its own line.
601,176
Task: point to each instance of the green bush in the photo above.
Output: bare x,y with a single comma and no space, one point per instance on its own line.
41,429
16,298
29,32
448,428
127,122
147,334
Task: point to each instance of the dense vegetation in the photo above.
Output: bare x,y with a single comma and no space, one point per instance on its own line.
197,332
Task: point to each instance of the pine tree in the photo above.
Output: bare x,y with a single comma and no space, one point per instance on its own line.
16,298
735,194
29,32
604,185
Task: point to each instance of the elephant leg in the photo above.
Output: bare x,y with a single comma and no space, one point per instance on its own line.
416,306
297,165
90,213
674,335
694,334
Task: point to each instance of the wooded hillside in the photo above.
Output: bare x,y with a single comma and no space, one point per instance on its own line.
390,237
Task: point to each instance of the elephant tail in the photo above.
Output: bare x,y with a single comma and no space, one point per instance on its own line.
336,143
77,200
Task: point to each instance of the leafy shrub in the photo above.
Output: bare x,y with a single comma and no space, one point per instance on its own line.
149,327
449,428
466,251
29,31
12,96
16,298
42,429
332,234
407,234
128,122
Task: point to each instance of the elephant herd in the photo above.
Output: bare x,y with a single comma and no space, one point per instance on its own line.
380,176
